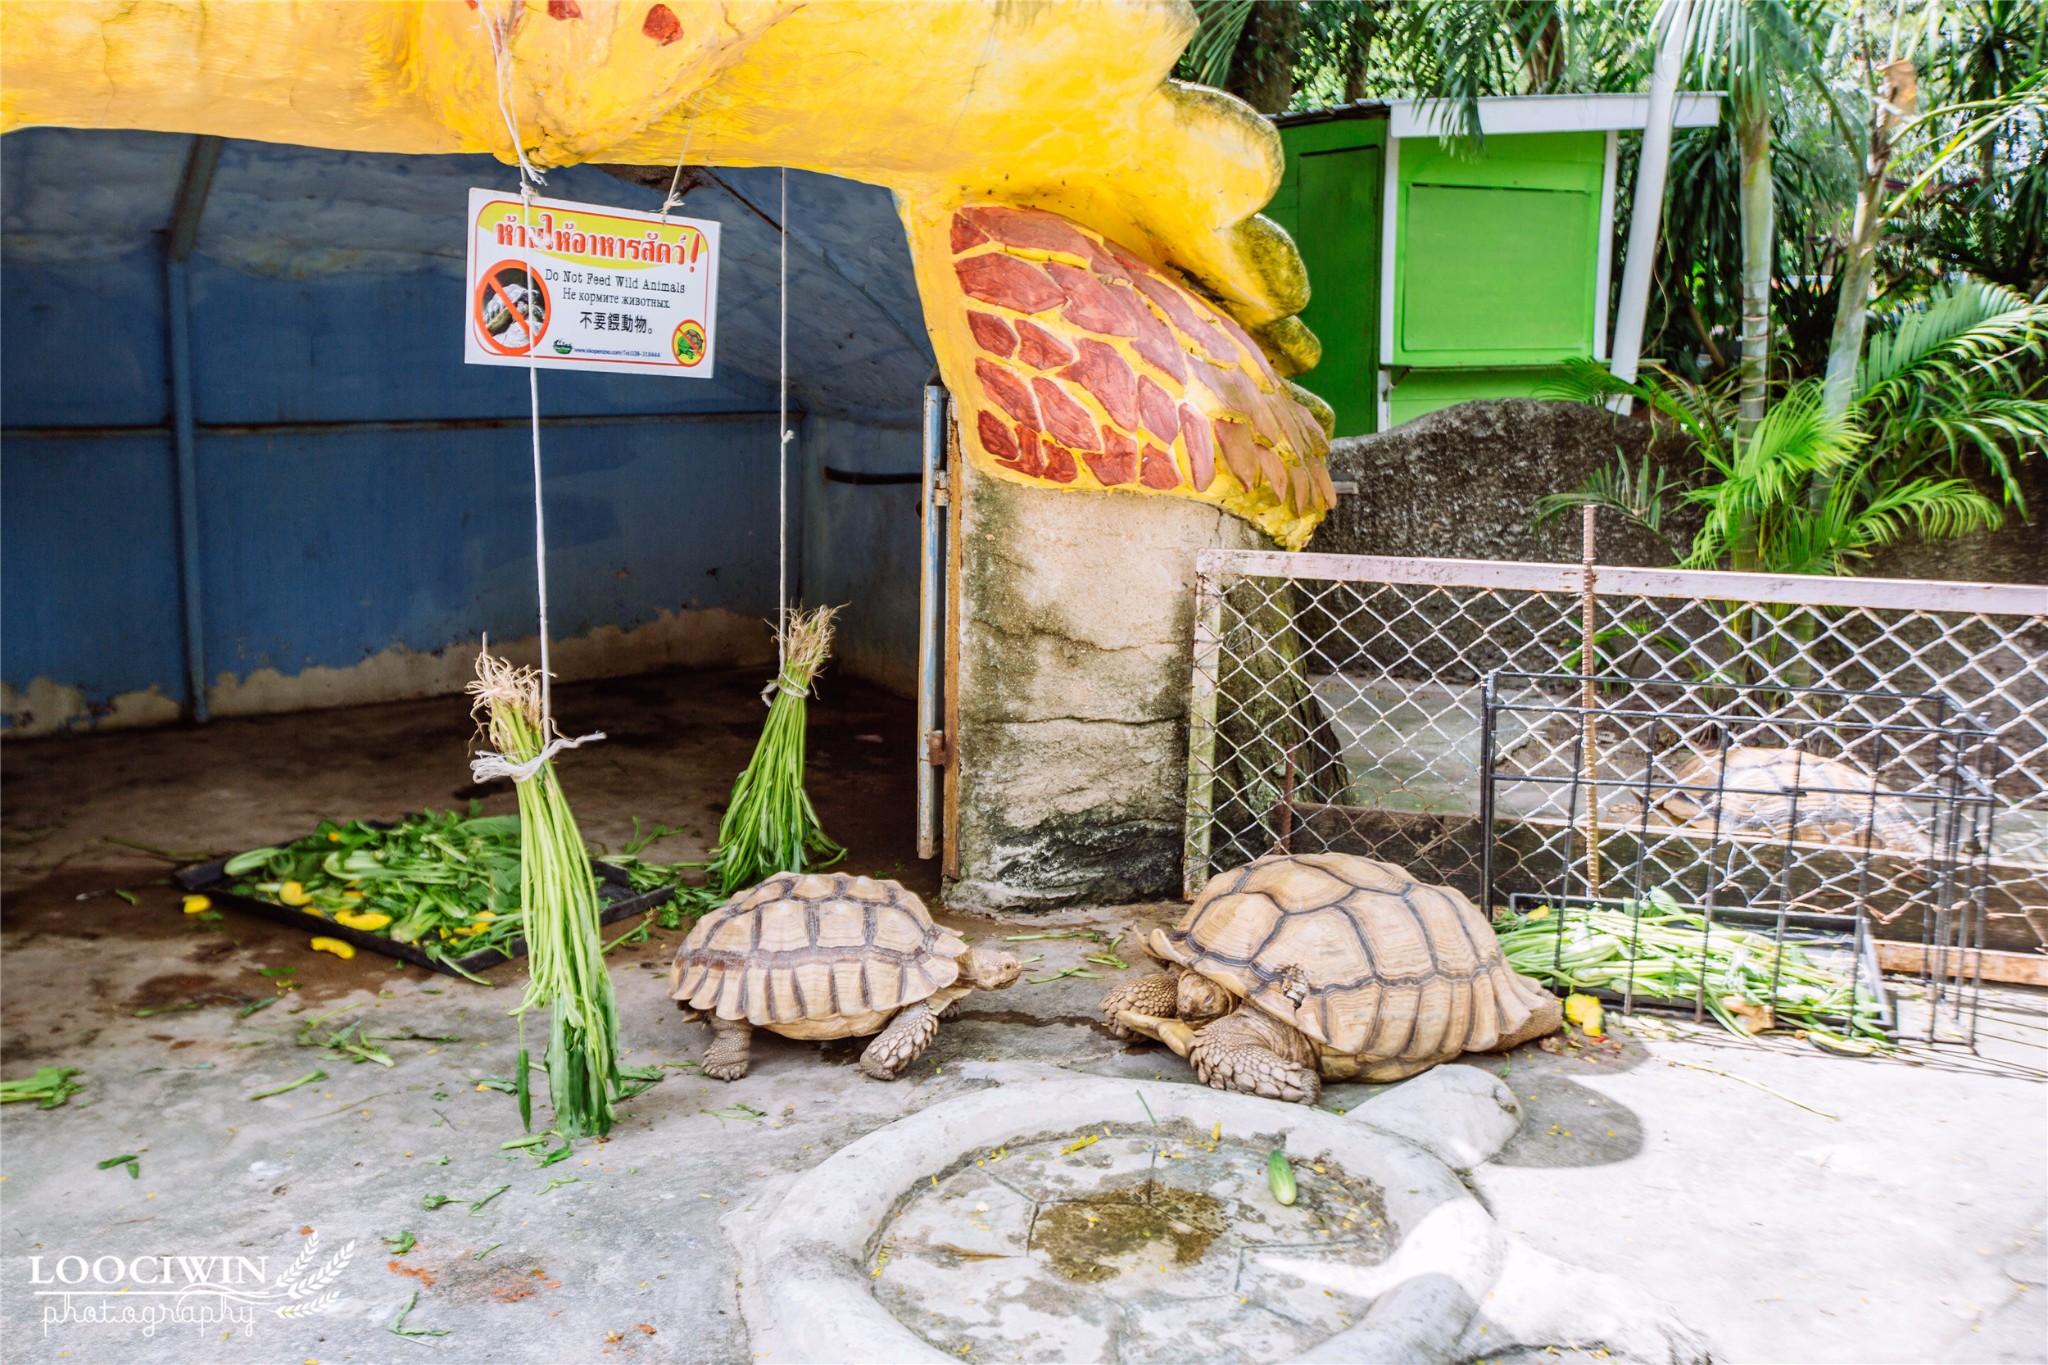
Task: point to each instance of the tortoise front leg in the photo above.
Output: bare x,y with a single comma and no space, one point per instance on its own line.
1151,995
1253,1053
898,1045
725,1059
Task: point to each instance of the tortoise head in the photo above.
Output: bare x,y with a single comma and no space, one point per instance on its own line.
1198,1000
989,969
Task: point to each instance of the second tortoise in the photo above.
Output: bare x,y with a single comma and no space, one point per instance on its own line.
1299,968
822,956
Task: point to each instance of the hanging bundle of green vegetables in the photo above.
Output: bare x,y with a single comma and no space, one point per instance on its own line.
560,898
770,827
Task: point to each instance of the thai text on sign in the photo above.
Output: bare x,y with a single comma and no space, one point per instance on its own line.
581,287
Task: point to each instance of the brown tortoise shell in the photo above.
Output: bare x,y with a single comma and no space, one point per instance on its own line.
815,946
1837,802
1357,954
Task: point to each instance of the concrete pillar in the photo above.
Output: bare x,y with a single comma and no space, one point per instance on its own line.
1075,632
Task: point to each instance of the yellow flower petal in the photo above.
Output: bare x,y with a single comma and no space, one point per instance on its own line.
195,905
1585,1011
335,946
292,893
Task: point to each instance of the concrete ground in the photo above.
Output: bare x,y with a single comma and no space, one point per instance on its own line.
1791,1205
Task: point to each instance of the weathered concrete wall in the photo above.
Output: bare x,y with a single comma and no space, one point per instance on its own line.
1076,625
1463,483
2016,552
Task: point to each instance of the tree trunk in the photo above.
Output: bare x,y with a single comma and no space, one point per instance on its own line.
1261,70
1852,308
1759,240
1543,63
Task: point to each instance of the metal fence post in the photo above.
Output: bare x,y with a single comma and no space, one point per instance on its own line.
1208,656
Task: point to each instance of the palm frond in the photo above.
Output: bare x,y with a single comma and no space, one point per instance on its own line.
1763,486
1641,495
1747,48
1971,322
1935,509
1693,408
1958,376
1220,25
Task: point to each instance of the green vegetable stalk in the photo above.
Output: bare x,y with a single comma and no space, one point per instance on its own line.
49,1087
559,896
1669,955
770,827
1280,1176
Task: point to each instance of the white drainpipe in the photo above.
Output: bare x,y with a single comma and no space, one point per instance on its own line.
1648,210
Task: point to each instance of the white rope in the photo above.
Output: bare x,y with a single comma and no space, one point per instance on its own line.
672,200
488,767
782,441
496,764
540,520
501,60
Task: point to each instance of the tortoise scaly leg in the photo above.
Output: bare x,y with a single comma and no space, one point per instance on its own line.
725,1058
1171,1032
898,1045
1253,1053
1546,1016
1149,995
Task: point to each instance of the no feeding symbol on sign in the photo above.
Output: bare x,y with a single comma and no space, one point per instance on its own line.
581,287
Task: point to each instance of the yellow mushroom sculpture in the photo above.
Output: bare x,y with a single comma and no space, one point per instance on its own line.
1103,299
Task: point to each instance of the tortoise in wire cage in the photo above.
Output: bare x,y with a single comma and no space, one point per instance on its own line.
1298,968
823,956
1750,789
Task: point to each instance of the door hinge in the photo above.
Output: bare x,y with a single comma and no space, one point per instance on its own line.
937,751
942,489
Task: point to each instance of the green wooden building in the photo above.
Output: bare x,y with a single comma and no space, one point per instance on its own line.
1438,279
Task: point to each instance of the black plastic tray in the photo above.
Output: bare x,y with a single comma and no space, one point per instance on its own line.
614,890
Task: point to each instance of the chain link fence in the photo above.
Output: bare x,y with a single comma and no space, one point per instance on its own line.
1339,702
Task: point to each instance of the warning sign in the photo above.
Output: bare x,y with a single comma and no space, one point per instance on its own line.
579,287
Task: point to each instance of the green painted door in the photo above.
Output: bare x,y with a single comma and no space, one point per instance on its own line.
1329,200
1496,267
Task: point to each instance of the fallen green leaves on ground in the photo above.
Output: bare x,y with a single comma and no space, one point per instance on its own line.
49,1087
476,1206
1064,971
129,1159
308,1079
400,1242
399,1328
746,1113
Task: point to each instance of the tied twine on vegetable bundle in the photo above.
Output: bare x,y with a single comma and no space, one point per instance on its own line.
559,894
770,825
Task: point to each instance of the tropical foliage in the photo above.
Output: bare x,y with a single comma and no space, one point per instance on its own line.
1940,407
1881,169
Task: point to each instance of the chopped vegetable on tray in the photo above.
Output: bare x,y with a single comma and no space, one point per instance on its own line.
447,884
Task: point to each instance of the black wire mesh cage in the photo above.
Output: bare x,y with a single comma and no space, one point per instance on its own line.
1754,852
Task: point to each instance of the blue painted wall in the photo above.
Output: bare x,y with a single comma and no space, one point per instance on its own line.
861,542
326,288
